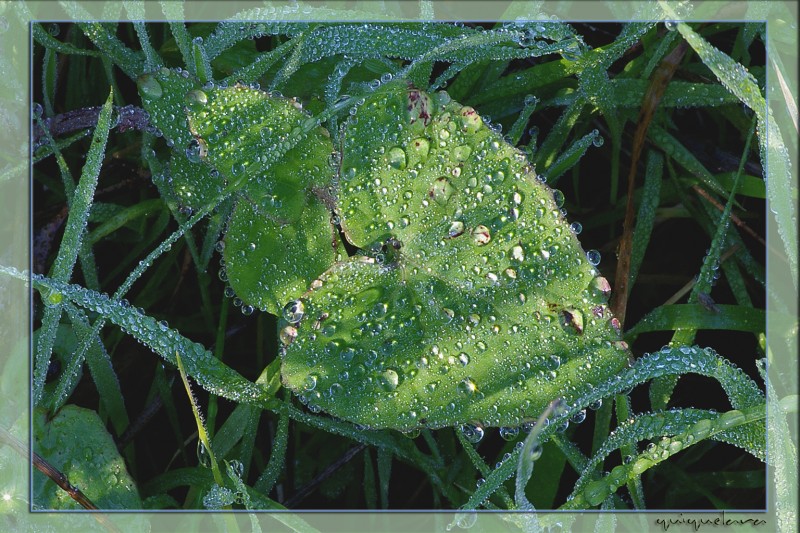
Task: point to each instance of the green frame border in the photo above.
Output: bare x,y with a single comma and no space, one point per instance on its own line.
15,232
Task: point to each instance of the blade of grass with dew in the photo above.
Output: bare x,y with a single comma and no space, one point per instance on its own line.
49,80
570,157
698,317
384,475
70,245
595,492
277,459
124,217
200,62
741,83
741,390
550,148
677,151
482,468
173,12
201,432
102,371
135,10
129,61
259,67
622,404
661,389
43,37
648,426
651,192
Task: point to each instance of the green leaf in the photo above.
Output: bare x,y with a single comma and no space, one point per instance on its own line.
484,307
77,444
277,158
280,236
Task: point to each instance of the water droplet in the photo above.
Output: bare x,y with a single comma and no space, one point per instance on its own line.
509,433
576,228
310,382
456,229
288,335
536,451
671,25
196,150
149,86
396,158
470,120
481,235
467,386
293,311
388,380
441,191
473,433
461,153
594,257
196,100
579,417
421,147
558,196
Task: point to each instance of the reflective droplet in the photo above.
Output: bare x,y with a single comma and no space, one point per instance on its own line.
293,311
310,382
481,235
509,433
594,257
558,196
472,433
196,100
441,191
288,335
397,158
467,386
388,380
149,86
456,229
196,150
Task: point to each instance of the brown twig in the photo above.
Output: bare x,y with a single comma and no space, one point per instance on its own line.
658,84
736,220
129,117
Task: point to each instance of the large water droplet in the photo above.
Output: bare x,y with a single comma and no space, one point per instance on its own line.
388,380
441,191
149,86
481,235
288,335
196,100
456,229
467,386
472,433
397,158
196,150
293,311
509,433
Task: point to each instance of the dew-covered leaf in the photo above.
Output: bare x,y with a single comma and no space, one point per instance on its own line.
76,443
279,237
479,305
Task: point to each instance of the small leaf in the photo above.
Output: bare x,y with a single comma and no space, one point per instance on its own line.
77,444
280,236
482,308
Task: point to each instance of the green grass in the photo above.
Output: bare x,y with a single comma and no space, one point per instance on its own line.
682,427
